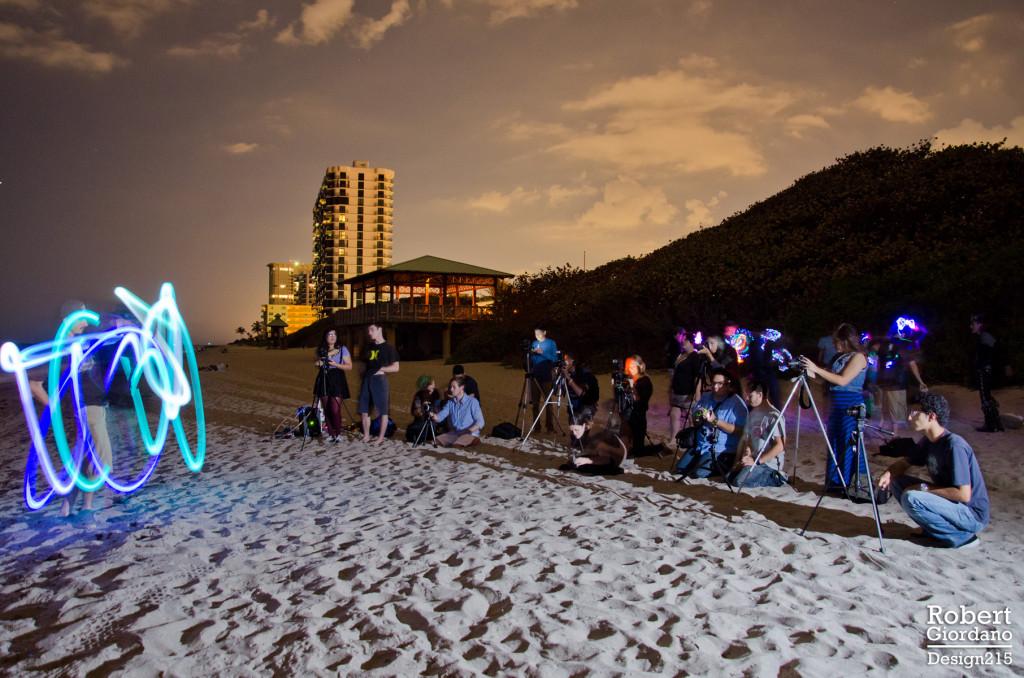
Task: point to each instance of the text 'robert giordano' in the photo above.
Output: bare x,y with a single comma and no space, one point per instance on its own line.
962,636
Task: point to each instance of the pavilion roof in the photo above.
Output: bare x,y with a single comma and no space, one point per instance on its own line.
432,265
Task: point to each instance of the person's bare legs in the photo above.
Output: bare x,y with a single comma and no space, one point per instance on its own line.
673,420
366,426
383,427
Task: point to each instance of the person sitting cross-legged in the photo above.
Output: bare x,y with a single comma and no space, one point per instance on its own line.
764,434
954,507
720,416
465,419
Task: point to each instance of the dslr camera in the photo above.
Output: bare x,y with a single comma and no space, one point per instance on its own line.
858,411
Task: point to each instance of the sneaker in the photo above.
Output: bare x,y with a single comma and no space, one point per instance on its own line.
970,543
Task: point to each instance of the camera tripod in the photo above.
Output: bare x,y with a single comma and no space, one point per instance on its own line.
428,425
314,407
559,390
860,457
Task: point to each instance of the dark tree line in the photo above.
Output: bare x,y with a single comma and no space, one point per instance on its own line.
883,232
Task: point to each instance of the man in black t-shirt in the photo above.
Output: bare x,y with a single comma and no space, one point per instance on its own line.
381,360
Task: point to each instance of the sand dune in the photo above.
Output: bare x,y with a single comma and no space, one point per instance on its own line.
391,560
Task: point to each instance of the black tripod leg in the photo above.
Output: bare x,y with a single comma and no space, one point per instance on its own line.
811,517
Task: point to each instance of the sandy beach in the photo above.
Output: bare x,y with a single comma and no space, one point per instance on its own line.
393,560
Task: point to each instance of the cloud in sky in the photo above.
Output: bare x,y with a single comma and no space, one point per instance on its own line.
367,32
627,204
50,48
319,22
554,196
796,125
505,10
699,211
241,148
676,120
227,45
969,34
128,18
893,105
970,131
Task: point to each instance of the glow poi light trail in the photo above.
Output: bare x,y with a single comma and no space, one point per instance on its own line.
159,350
741,340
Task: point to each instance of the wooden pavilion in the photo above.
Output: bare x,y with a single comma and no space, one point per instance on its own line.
420,303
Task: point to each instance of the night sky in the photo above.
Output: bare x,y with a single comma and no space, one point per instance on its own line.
184,140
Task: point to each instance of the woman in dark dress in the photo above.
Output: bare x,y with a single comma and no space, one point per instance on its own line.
331,386
643,389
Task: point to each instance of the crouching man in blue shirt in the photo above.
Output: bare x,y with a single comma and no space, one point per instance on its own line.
466,420
720,416
953,508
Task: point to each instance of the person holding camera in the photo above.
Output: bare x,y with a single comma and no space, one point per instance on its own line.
584,391
543,357
686,371
845,381
602,451
764,434
427,399
721,355
954,507
462,411
331,386
720,416
643,389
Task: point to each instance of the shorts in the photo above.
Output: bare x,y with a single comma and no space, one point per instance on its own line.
680,401
373,393
894,407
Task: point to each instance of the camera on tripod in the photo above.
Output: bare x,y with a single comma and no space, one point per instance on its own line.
858,411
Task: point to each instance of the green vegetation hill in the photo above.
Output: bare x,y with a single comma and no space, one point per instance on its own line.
883,232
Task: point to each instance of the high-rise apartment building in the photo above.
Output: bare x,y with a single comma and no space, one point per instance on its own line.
290,283
352,230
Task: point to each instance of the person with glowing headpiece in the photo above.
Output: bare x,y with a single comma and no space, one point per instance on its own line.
898,360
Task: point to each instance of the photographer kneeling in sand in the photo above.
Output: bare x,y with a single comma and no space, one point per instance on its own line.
954,507
603,452
720,416
763,434
466,420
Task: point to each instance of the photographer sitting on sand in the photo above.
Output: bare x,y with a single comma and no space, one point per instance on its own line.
465,420
953,508
603,452
763,434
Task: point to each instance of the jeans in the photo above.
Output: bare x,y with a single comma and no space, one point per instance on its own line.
696,464
761,475
950,522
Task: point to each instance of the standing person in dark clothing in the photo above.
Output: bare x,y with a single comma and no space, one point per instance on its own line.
643,389
721,355
331,386
683,386
584,391
984,372
472,388
381,360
